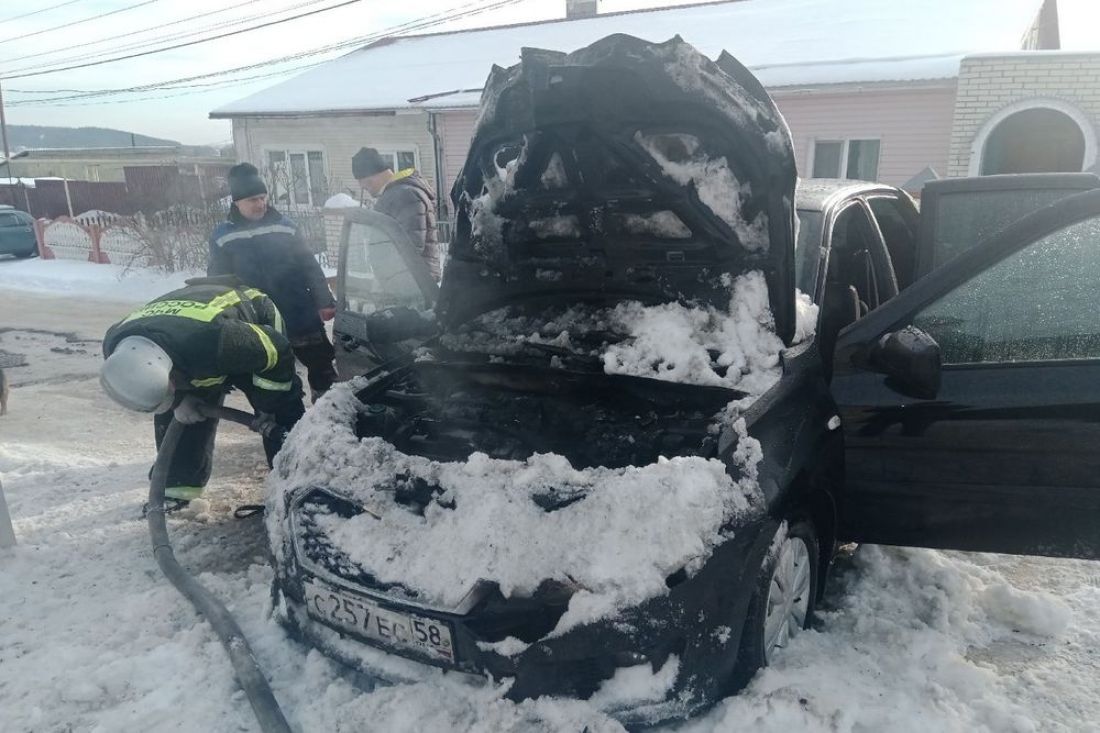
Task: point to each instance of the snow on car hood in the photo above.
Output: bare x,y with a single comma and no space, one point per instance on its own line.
734,347
617,545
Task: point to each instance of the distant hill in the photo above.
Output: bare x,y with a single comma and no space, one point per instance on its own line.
21,137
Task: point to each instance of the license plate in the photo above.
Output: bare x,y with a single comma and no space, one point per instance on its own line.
393,628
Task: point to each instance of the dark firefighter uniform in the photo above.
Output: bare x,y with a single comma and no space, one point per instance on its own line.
219,335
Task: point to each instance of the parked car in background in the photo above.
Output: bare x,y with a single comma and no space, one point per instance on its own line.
954,410
17,233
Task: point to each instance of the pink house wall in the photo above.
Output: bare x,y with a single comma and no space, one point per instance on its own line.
913,126
456,129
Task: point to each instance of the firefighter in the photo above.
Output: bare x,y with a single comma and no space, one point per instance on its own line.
193,345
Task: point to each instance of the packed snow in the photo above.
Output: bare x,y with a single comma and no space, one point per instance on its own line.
93,638
341,201
664,224
556,227
734,347
485,524
73,278
683,160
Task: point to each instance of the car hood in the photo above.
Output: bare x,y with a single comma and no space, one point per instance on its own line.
626,170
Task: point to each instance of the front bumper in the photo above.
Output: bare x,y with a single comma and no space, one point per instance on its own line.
698,621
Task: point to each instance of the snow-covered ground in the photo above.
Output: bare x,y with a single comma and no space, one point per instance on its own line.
92,638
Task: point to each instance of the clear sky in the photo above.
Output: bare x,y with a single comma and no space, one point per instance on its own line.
180,112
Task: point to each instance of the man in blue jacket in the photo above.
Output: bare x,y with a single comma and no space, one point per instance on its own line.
264,249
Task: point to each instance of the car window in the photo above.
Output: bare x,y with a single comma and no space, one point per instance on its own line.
10,219
965,218
807,250
375,275
900,237
1039,304
858,258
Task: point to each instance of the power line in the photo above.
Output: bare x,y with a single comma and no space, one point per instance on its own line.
455,13
171,37
36,12
127,35
78,22
178,45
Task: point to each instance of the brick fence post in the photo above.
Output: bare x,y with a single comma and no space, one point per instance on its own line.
40,234
98,255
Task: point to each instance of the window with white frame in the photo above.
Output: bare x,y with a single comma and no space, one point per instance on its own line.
399,160
856,159
296,178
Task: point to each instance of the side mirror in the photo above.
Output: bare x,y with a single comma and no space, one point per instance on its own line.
911,361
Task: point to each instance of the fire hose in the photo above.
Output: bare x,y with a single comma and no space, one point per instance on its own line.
249,675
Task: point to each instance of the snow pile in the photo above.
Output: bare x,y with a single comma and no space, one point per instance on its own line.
625,533
85,279
556,227
918,640
805,317
736,348
682,160
664,224
637,685
341,201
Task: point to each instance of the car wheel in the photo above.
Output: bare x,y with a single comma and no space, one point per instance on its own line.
783,603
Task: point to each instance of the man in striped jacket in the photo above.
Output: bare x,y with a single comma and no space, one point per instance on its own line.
193,345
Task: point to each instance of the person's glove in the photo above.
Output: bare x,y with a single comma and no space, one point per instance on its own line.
327,314
187,411
265,424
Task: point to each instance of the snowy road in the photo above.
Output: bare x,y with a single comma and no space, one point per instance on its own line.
93,639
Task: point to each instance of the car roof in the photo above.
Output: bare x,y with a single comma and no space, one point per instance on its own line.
818,194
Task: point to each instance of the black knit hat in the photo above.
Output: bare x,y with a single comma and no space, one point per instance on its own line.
367,162
245,182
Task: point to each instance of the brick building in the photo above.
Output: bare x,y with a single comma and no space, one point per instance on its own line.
1026,112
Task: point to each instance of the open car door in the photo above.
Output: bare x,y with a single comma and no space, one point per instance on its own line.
384,292
958,213
970,403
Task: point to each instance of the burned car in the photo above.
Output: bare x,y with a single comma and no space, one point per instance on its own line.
602,459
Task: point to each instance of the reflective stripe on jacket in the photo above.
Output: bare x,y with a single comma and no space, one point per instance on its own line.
214,329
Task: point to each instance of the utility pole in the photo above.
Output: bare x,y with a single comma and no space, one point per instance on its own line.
4,134
4,131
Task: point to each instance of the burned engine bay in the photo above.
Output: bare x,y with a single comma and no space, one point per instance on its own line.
445,410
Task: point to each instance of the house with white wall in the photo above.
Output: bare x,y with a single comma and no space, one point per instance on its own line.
870,89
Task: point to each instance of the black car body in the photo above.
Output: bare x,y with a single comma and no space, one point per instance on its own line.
451,398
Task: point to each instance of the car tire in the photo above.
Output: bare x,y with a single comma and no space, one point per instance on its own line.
783,602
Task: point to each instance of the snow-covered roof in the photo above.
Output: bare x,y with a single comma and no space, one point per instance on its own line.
786,42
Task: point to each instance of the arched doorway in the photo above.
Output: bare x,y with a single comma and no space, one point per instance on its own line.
1035,140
